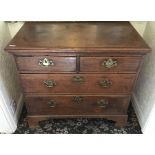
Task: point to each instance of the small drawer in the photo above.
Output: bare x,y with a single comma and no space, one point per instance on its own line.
77,105
46,64
110,64
77,83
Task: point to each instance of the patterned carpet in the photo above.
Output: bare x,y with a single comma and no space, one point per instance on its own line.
79,126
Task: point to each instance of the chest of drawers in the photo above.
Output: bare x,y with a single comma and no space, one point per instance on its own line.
77,69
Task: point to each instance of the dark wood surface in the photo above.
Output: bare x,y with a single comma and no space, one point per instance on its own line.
124,64
34,83
78,49
65,105
31,64
78,36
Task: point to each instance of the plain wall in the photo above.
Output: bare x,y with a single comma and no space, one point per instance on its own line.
10,90
144,93
8,71
139,26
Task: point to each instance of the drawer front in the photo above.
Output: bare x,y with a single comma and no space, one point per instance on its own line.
46,64
77,83
109,64
77,105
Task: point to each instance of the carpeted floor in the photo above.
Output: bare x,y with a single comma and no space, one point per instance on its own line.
80,126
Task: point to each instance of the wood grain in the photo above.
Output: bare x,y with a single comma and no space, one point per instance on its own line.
31,64
34,83
124,64
78,50
65,105
77,36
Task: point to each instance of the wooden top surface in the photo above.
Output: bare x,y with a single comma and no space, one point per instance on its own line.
77,36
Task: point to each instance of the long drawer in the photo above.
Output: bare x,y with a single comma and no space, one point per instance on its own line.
110,64
46,64
77,83
77,105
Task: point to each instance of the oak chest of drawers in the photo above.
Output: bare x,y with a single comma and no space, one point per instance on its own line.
78,69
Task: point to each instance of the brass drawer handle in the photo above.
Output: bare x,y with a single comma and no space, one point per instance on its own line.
49,83
78,79
109,63
46,62
51,103
77,99
102,103
105,83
